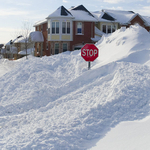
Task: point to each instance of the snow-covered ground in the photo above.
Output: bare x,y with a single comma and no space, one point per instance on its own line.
56,103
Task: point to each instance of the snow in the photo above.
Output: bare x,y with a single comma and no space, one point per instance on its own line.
40,22
80,15
57,13
127,135
36,36
29,51
123,17
57,103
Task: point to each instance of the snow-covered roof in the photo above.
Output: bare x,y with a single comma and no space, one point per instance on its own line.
36,36
40,22
60,12
123,17
103,17
147,19
21,40
8,44
120,16
29,51
80,13
98,32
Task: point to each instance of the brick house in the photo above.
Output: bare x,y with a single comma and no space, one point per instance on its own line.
111,20
65,30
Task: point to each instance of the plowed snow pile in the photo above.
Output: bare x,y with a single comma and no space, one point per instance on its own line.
55,103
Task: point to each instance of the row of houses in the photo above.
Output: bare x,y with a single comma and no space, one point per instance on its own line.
70,29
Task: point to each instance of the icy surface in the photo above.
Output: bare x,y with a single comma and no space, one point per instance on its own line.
57,103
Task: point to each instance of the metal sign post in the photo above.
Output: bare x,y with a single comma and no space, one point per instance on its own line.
89,65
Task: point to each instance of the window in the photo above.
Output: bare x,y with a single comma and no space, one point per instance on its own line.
63,27
56,48
65,47
109,29
55,27
79,28
48,30
66,27
104,28
113,28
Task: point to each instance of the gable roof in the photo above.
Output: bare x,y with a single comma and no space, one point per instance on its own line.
80,13
81,7
147,20
142,18
60,12
108,17
123,17
120,16
40,22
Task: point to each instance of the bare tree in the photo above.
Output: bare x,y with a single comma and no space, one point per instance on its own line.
25,32
21,38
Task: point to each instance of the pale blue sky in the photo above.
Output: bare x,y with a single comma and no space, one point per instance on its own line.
13,12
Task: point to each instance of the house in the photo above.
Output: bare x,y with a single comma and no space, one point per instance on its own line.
111,20
65,30
19,47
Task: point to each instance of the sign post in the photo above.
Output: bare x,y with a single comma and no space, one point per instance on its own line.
89,52
89,65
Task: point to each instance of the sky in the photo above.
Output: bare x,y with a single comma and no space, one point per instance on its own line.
14,13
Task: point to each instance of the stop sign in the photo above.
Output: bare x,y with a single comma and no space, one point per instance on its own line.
89,52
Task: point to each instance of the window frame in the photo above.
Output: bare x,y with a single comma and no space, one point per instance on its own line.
56,49
66,27
108,28
79,27
55,27
66,47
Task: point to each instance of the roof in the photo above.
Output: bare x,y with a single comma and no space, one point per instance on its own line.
108,17
36,36
142,18
29,51
40,22
98,32
147,20
81,7
60,12
123,17
80,13
21,40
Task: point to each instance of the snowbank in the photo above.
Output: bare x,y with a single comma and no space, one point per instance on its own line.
56,103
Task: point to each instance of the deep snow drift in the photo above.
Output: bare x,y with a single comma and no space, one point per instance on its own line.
56,103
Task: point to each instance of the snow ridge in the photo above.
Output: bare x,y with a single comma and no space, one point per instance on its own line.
56,103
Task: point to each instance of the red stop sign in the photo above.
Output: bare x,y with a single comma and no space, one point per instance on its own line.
89,52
